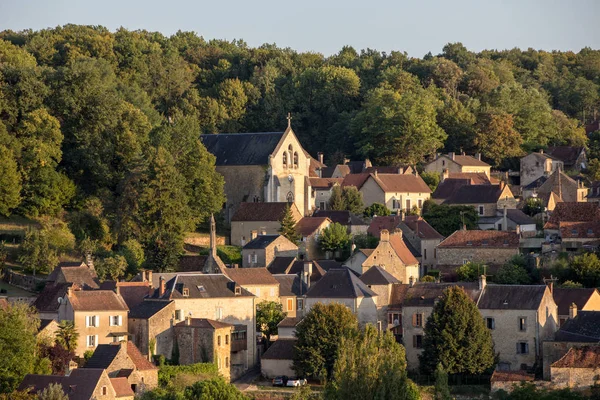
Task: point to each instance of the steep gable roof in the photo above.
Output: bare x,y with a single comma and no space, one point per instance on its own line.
564,297
280,264
281,349
340,283
262,241
263,211
476,178
74,272
421,228
402,250
47,301
356,180
426,294
405,183
567,154
580,357
585,327
377,276
122,387
378,223
490,239
146,309
512,297
251,276
79,385
200,286
448,187
573,212
309,225
97,300
475,194
103,356
242,148
133,293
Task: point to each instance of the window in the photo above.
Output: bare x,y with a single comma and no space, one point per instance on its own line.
290,304
285,160
425,254
219,340
186,292
407,204
91,341
417,319
418,341
522,348
481,210
490,323
395,204
394,319
104,391
465,261
290,197
219,313
92,321
226,339
434,253
321,205
443,163
254,258
178,315
295,160
522,323
300,303
420,204
116,320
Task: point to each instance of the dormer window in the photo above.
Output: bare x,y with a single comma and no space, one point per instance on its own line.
201,288
186,292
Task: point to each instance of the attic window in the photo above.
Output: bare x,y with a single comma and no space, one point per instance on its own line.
186,292
484,243
574,231
201,288
238,290
469,243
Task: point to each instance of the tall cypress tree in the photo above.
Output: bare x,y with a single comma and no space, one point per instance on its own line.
288,226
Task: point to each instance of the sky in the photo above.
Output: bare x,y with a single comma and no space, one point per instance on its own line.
416,26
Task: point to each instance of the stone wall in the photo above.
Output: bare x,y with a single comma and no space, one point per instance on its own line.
554,351
242,184
26,282
209,345
487,255
580,378
157,326
272,368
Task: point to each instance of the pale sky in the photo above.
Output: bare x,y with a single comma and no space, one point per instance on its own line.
416,26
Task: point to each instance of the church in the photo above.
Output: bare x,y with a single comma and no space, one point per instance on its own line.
263,167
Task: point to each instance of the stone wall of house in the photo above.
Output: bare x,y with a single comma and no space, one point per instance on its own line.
382,301
141,380
263,292
367,310
410,330
554,351
104,381
355,262
322,196
158,327
291,312
488,255
372,193
416,199
241,231
281,247
580,378
242,184
272,368
385,256
205,345
429,253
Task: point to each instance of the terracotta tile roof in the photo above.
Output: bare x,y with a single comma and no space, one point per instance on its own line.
580,357
314,165
567,154
377,276
251,276
476,178
133,292
448,187
203,323
242,148
281,349
421,227
261,211
512,376
585,327
580,230
339,283
512,297
387,170
475,194
490,239
122,387
324,183
469,161
405,183
425,294
390,223
290,285
97,300
356,180
573,212
147,309
564,297
79,385
74,272
140,362
402,250
308,226
47,301
398,295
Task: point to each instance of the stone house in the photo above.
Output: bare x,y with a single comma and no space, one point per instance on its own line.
100,317
262,167
47,303
291,294
558,183
321,189
340,285
202,340
536,165
81,384
393,255
278,359
286,329
46,331
458,163
573,224
310,228
579,368
585,299
398,192
423,237
574,158
214,296
124,360
520,318
309,271
149,323
381,282
253,219
262,250
594,192
356,260
507,380
80,273
417,305
487,247
487,200
354,224
257,281
451,182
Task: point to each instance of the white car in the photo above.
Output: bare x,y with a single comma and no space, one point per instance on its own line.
296,382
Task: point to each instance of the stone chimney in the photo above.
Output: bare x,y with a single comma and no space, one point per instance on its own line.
482,282
90,261
541,151
253,235
161,287
188,320
263,231
384,235
478,156
411,281
573,311
398,232
148,276
320,157
213,236
307,272
445,174
451,155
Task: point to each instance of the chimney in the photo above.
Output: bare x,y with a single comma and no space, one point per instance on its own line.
384,235
320,156
346,161
253,235
445,174
478,156
188,320
375,173
541,151
148,278
482,282
411,281
213,236
505,219
518,230
161,288
573,311
451,155
398,232
551,285
307,272
89,261
263,231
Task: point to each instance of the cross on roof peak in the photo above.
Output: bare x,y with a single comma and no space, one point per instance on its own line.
289,119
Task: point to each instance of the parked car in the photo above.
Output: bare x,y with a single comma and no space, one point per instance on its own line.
280,380
296,382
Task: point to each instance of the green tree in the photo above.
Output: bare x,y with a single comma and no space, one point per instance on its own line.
512,274
337,201
334,237
319,336
470,271
571,285
10,182
376,209
36,254
18,329
456,337
353,199
533,206
54,391
112,267
133,252
215,388
448,219
432,180
268,315
369,364
67,335
288,226
442,392
587,269
496,138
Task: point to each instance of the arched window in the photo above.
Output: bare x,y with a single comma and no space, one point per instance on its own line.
285,159
290,197
295,160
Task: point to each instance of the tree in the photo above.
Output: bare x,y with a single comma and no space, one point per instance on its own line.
337,201
288,226
512,274
456,337
215,388
58,356
432,180
587,269
18,329
533,206
376,209
442,392
54,391
334,237
268,315
35,253
112,267
319,336
448,219
496,138
369,364
67,335
10,182
470,271
353,199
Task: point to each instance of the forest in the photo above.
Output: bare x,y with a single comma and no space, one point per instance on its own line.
99,129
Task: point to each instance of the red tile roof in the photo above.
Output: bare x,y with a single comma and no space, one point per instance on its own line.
357,180
324,183
421,228
469,161
490,239
512,376
573,212
579,230
122,387
251,276
402,251
389,222
309,225
476,178
405,183
140,362
133,292
203,323
97,300
580,357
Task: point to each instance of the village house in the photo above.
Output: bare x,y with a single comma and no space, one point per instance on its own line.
202,340
253,219
149,323
267,167
213,296
82,384
536,165
263,249
47,330
520,318
291,294
451,182
340,285
257,281
557,187
353,223
381,282
572,225
47,303
286,329
574,158
398,192
423,237
124,360
356,260
458,163
487,247
309,229
487,200
309,271
321,191
585,299
393,255
579,368
278,359
100,317
80,273
392,224
349,168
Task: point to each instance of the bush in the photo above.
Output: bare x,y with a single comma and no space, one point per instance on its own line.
167,373
228,254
